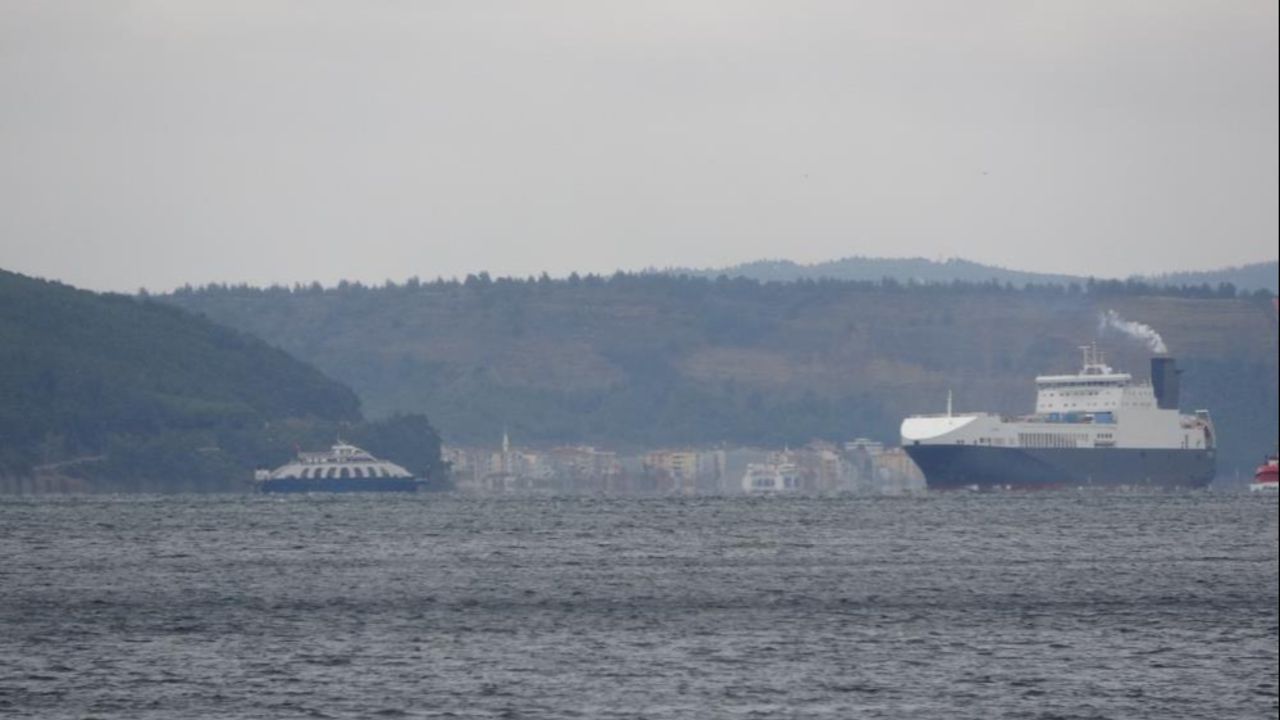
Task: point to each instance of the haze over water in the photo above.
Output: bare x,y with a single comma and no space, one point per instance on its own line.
1065,605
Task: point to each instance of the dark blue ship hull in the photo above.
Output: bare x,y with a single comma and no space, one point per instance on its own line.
962,466
338,485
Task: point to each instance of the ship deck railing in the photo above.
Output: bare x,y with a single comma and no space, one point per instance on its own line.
1064,419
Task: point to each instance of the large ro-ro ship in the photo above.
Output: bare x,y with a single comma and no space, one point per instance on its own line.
1098,427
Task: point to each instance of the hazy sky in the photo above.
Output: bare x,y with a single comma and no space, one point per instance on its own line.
163,142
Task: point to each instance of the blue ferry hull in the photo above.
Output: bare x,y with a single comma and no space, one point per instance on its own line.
962,466
338,485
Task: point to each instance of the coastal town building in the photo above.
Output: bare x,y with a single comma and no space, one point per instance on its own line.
820,467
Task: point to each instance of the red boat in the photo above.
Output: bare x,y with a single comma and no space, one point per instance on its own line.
1266,477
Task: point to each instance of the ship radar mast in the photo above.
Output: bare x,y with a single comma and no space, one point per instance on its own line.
1093,361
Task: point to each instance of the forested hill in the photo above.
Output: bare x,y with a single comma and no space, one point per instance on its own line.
114,392
1250,277
645,360
919,270
1254,276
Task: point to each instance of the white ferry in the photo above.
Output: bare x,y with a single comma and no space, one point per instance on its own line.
770,477
343,468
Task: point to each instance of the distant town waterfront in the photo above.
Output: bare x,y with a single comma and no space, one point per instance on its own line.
856,466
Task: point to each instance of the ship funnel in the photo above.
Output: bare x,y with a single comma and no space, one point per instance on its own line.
1164,381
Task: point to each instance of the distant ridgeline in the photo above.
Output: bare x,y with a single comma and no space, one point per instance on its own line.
652,359
106,392
1246,278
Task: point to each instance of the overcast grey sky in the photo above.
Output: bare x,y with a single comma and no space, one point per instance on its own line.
153,143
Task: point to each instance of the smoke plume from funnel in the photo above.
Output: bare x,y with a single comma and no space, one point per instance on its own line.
1111,320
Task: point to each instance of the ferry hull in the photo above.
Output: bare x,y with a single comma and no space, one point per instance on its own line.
961,466
337,485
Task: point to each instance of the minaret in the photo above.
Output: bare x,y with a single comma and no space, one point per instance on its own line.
507,465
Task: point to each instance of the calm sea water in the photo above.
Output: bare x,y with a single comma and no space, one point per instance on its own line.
950,606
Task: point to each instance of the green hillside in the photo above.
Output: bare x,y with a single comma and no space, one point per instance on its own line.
647,360
112,392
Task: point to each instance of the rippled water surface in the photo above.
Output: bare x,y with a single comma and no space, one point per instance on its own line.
951,606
